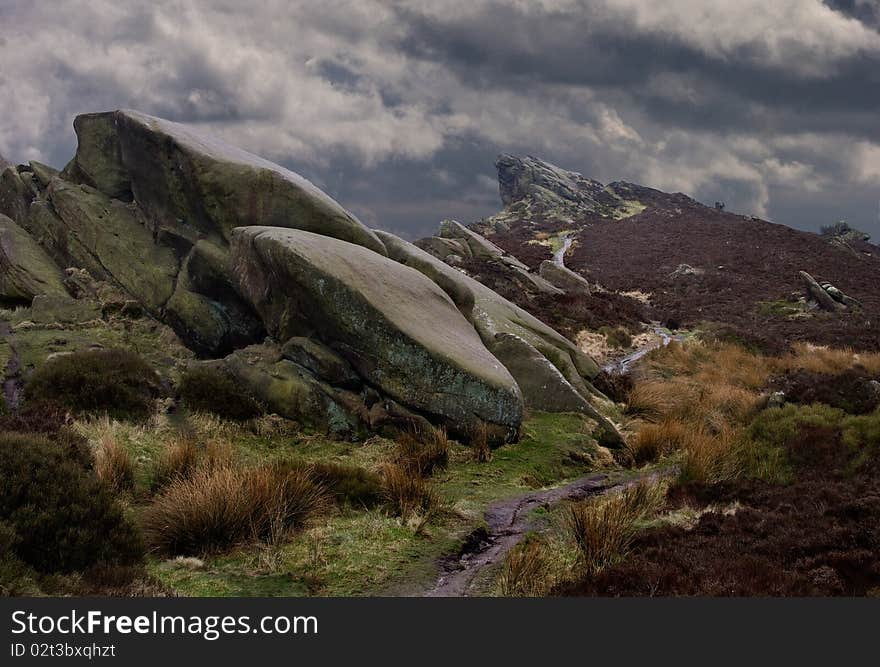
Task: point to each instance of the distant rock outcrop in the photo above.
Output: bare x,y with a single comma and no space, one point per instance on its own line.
534,188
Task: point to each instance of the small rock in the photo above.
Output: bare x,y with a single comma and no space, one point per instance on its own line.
776,399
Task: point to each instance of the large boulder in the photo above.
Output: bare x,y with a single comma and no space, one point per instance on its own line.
491,313
149,205
564,278
25,268
113,240
15,196
288,389
397,328
196,185
544,387
478,246
552,373
814,290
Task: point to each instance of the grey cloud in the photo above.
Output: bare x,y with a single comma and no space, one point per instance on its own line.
398,109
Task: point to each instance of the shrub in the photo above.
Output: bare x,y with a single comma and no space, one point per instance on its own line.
408,494
206,389
51,420
216,508
422,451
63,517
604,529
113,464
117,382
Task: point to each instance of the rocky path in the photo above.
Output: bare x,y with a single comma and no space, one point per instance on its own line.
507,523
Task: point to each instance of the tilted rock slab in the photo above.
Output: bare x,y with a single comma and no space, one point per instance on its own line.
815,290
150,205
397,328
25,269
564,278
193,183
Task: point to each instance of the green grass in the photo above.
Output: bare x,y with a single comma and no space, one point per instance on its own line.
779,308
764,455
360,551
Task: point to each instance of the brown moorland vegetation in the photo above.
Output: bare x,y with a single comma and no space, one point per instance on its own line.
769,501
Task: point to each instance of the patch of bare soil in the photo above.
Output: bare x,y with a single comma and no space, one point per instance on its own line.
819,536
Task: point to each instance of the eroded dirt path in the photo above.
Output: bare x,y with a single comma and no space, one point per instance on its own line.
507,523
624,364
12,373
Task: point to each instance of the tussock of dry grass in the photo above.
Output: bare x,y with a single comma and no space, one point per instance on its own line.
423,451
113,463
527,572
217,508
604,529
651,399
697,398
406,494
480,443
183,455
826,361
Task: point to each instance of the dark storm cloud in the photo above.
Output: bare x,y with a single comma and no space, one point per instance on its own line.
398,109
505,47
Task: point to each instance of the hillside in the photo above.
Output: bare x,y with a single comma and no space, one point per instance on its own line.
694,265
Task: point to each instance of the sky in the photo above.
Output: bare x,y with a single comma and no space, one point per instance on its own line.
398,109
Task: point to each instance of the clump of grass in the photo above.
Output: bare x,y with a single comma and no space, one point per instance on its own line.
818,359
480,443
616,336
698,399
217,508
113,464
650,399
184,454
656,440
407,494
208,389
527,571
604,529
349,484
423,451
118,382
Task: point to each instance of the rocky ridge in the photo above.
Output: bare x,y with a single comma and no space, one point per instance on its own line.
260,273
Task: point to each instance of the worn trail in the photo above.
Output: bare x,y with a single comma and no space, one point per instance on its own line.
12,373
507,523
